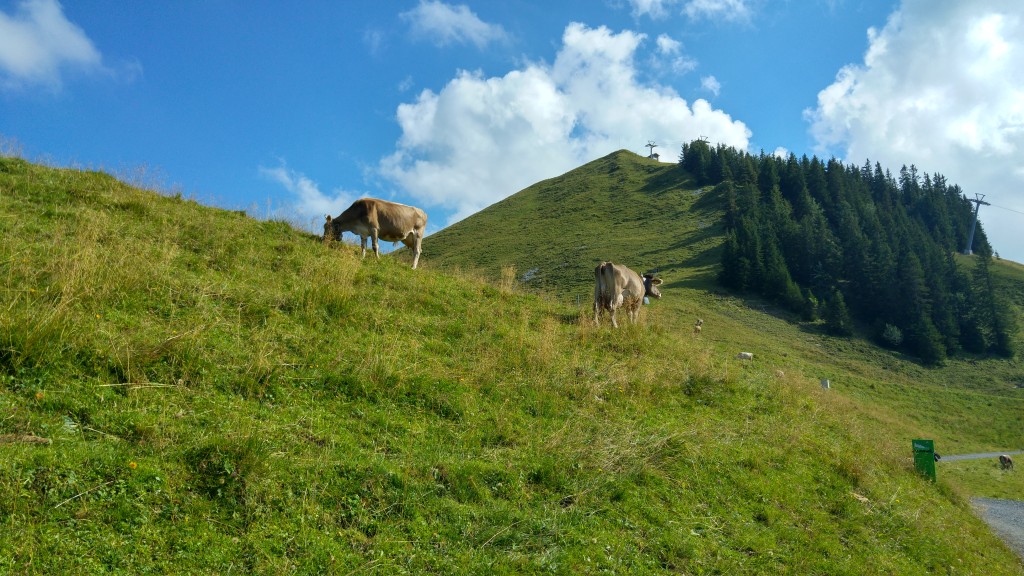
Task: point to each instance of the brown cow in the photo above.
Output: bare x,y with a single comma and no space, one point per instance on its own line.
381,219
616,286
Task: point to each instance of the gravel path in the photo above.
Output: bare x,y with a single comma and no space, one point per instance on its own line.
1006,517
955,457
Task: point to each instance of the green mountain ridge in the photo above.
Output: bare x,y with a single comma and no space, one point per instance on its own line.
658,217
216,394
621,207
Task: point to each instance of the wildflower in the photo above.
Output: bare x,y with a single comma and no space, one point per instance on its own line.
133,465
39,395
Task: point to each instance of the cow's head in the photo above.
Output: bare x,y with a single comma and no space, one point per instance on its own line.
651,286
331,231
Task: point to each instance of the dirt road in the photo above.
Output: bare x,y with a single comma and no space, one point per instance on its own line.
1005,517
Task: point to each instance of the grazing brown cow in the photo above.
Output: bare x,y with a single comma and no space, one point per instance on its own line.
697,326
381,219
616,286
1005,462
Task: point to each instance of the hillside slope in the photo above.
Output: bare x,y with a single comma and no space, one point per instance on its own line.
225,395
623,207
651,217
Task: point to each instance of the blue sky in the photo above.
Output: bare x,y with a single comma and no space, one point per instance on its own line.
294,109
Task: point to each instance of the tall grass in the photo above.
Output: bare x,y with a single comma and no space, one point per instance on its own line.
226,395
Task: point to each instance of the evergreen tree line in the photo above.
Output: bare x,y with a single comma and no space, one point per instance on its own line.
847,244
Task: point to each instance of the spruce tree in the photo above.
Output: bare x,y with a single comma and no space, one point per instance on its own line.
836,316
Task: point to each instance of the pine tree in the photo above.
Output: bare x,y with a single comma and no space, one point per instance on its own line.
925,341
733,273
798,229
837,318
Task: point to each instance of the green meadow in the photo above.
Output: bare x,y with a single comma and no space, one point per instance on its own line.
187,390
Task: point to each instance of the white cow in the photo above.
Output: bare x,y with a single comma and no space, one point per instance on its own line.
381,219
616,286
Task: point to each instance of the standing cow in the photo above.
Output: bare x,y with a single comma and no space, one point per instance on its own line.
616,286
381,219
1005,462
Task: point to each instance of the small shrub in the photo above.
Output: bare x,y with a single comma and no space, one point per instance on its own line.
892,336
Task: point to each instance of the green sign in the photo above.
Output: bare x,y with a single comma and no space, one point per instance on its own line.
924,457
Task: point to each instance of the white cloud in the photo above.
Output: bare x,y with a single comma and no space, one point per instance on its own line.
481,139
711,84
669,57
37,43
727,10
652,8
942,87
446,24
374,40
311,205
668,46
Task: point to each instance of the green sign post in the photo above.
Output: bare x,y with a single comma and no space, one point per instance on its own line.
924,458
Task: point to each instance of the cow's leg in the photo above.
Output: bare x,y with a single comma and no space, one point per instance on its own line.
414,242
417,250
615,324
362,244
376,248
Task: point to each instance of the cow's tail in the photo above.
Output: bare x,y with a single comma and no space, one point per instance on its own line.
604,279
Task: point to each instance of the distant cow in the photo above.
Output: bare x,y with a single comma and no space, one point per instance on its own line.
745,356
381,219
616,286
697,326
1005,462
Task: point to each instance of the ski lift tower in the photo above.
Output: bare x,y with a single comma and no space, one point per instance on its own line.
979,199
650,144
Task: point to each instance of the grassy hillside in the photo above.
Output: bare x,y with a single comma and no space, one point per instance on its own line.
556,231
650,216
221,395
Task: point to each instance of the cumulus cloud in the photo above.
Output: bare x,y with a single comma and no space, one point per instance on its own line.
38,43
942,87
481,139
311,204
727,10
446,24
